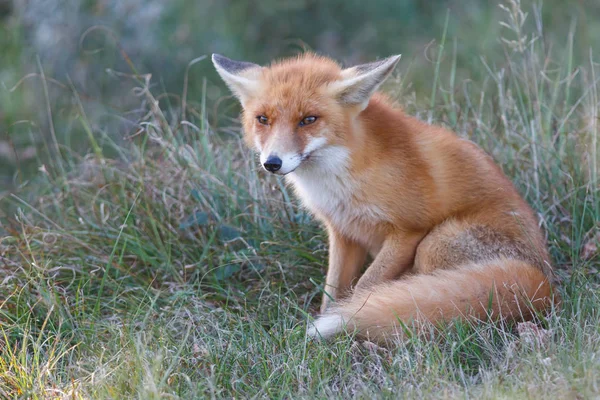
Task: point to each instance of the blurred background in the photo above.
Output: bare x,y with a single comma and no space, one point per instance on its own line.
85,48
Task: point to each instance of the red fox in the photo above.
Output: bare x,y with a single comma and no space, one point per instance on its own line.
449,235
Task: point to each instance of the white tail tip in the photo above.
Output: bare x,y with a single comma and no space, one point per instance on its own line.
326,326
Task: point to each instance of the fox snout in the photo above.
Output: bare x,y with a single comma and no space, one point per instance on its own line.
279,157
273,164
280,163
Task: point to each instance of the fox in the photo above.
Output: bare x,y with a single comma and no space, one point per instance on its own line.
448,235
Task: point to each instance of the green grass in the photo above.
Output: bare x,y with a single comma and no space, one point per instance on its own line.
167,265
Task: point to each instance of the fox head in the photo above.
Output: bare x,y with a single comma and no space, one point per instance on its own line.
295,109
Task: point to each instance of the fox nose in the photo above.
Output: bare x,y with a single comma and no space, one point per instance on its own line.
272,164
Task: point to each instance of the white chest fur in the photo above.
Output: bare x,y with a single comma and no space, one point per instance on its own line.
327,188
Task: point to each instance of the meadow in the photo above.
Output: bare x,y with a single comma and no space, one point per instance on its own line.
144,254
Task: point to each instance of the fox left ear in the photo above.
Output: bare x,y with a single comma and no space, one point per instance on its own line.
240,76
360,82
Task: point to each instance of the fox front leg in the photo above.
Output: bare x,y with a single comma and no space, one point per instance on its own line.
346,259
395,257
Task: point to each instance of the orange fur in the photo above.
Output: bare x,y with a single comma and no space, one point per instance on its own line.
418,198
499,289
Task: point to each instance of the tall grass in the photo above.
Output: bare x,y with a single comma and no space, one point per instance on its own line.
167,265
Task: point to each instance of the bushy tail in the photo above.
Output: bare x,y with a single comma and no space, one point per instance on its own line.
502,289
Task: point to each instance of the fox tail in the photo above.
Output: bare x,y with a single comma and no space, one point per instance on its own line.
499,289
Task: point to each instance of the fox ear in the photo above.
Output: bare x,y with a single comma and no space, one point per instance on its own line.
360,82
240,76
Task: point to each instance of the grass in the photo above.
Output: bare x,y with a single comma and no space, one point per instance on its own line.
167,265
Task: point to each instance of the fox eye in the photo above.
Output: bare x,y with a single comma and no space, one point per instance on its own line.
308,120
263,120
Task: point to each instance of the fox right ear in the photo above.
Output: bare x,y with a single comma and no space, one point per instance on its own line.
240,76
360,82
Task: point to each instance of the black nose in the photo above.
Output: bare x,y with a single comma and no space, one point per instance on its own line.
273,164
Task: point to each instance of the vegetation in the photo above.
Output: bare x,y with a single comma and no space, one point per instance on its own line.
143,253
